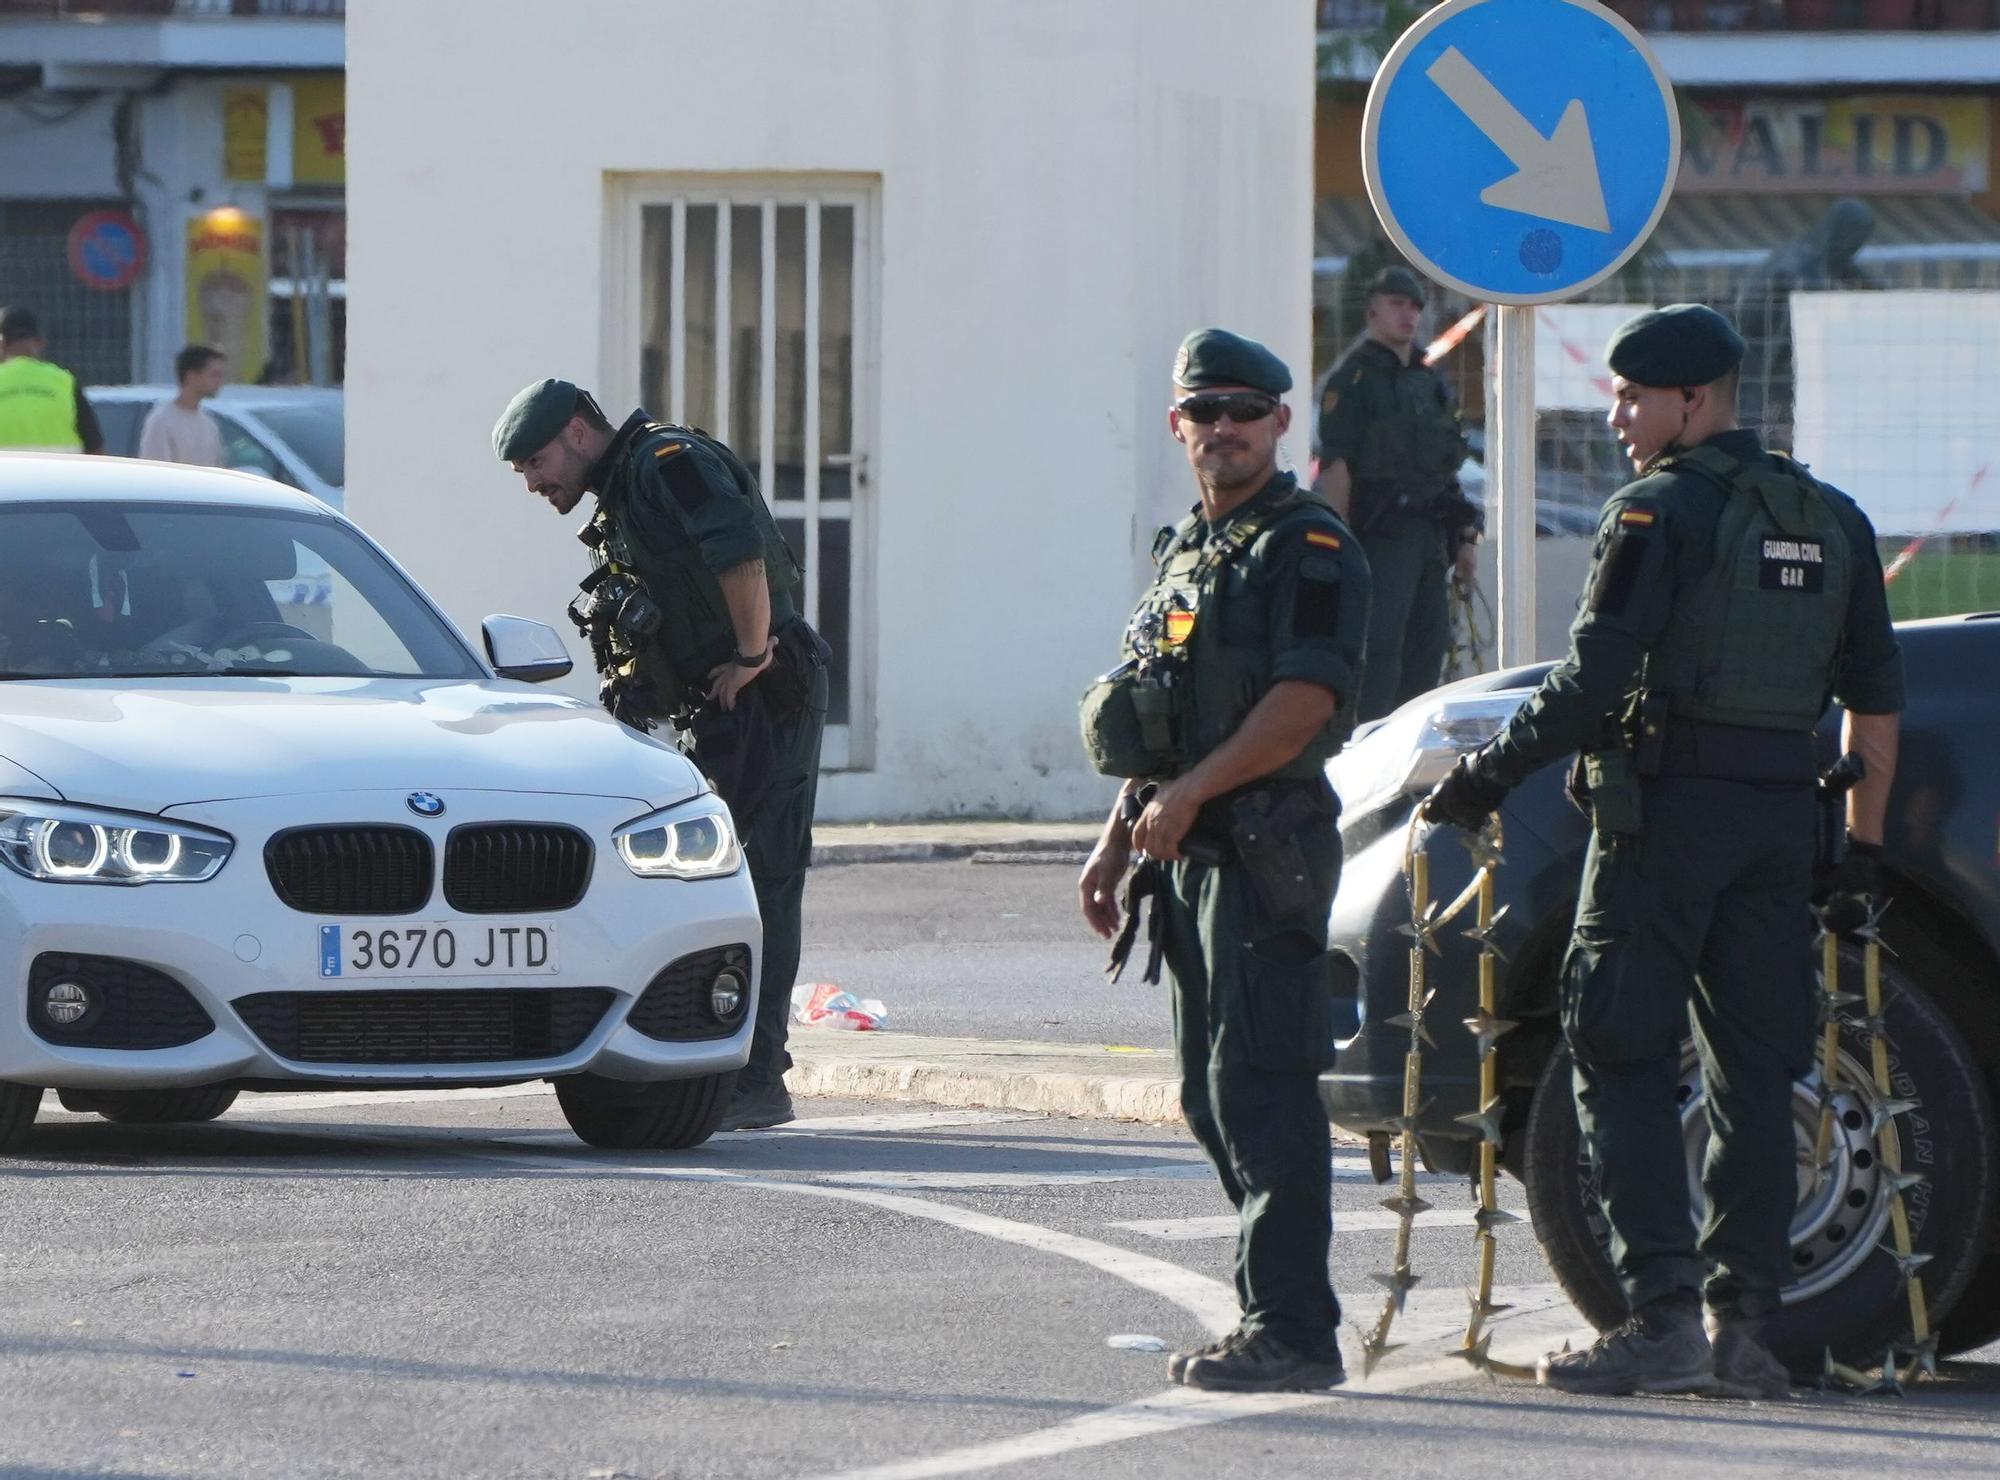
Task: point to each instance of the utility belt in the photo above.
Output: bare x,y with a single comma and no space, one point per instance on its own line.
784,688
1262,835
1385,508
1715,752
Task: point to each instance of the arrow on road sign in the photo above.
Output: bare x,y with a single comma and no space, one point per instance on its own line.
1556,178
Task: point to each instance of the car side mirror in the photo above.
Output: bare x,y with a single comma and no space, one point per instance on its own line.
519,648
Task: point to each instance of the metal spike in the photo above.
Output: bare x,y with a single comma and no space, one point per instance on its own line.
1901,1182
1488,1219
1827,1375
1832,1001
1482,935
1484,846
1891,1380
1875,1028
1399,1283
1406,1123
1924,1356
1414,1021
1886,1111
1374,1347
1907,1265
1485,1120
1406,1207
1475,1352
1483,1310
1423,932
1487,1030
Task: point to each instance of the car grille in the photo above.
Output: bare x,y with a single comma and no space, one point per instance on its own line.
499,868
675,1005
424,1027
133,1006
351,870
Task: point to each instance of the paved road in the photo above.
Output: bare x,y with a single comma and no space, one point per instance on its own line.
334,1286
973,949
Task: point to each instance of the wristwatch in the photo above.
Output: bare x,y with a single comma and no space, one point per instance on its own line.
750,662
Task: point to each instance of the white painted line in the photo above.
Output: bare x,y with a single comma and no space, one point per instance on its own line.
910,1120
974,1181
1360,1220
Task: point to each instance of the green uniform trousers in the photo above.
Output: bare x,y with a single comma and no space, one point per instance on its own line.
1702,920
766,767
1409,623
1253,1030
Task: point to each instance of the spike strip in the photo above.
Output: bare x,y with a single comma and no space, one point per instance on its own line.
1829,1047
1889,1152
1406,1204
1488,1117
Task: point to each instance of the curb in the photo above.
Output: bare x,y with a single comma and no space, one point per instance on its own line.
1059,849
1085,1096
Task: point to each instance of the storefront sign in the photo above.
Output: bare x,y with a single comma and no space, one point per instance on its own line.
1865,145
246,130
319,130
226,288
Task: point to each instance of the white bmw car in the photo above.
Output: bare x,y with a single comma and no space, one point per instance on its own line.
252,843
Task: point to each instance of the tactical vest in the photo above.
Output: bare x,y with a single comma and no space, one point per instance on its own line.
1412,448
1181,690
37,406
1757,640
695,632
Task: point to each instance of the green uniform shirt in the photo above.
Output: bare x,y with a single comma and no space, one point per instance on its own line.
1655,543
1385,419
1300,591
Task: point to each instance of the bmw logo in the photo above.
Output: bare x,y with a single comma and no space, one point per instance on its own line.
426,804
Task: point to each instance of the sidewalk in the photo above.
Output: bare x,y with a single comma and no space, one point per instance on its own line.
996,842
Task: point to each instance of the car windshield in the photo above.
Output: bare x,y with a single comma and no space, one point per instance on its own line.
315,431
143,590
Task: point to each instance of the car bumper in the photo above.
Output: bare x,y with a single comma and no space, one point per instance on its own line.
231,939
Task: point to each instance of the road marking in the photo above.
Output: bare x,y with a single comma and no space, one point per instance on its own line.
974,1181
1361,1220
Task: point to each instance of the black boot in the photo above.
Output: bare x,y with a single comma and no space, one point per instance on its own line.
1660,1349
1261,1363
758,1109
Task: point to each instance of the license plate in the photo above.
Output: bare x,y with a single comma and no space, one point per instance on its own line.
452,948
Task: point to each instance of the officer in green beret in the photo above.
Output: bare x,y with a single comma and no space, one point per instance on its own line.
1731,596
691,613
1237,684
1389,453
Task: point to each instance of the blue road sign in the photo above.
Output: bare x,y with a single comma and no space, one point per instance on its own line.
1520,150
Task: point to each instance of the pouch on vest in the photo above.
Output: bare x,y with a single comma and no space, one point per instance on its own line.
1613,784
1266,827
1129,726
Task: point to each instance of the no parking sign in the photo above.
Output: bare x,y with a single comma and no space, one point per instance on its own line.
107,251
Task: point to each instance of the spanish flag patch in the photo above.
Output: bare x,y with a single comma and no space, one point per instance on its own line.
1179,628
669,450
1637,516
1323,539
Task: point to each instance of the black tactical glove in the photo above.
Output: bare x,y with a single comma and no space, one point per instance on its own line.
1848,894
1464,798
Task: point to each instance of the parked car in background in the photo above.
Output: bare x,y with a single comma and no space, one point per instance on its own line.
295,435
1941,969
249,842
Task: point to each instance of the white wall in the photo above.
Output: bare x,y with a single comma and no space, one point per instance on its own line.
1065,191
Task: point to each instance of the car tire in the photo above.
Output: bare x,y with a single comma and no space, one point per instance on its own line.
18,1104
1950,1136
151,1106
1975,1320
668,1115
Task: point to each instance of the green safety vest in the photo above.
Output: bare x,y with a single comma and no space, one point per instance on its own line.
1757,641
37,406
1182,689
695,632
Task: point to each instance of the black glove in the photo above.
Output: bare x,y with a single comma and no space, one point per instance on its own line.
1847,894
1464,798
1576,786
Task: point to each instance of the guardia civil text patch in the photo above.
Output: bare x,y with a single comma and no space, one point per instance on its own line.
1787,564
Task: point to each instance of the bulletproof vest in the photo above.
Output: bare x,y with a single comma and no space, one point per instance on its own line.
695,633
37,405
1756,641
1411,448
1181,689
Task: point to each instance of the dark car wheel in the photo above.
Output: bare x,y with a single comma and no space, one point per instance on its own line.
18,1104
1845,1293
151,1106
670,1115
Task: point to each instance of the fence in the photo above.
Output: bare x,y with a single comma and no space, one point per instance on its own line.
1882,376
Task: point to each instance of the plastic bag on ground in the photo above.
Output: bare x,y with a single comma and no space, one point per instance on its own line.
824,1005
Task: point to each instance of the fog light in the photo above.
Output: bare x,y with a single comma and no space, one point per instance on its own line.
725,998
66,1002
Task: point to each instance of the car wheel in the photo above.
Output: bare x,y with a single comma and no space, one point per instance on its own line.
668,1115
151,1106
18,1104
1845,1293
1975,1320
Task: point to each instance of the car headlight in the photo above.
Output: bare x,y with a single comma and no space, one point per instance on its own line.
688,842
1410,751
60,844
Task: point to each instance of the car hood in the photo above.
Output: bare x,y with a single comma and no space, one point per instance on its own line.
146,745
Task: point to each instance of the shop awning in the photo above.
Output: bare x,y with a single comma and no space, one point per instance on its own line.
1731,230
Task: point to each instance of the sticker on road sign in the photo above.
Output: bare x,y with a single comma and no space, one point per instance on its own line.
1520,150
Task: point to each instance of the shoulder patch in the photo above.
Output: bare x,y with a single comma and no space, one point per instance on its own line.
1640,517
684,478
1325,539
672,449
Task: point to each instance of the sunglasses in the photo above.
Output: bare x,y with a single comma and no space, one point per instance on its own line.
1238,406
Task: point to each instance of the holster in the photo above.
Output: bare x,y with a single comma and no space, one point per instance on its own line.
788,682
1266,827
1611,779
1646,727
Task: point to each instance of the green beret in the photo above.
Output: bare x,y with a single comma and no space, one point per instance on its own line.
1399,280
533,418
1681,344
1217,357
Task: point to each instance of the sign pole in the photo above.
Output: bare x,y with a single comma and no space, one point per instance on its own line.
1513,463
